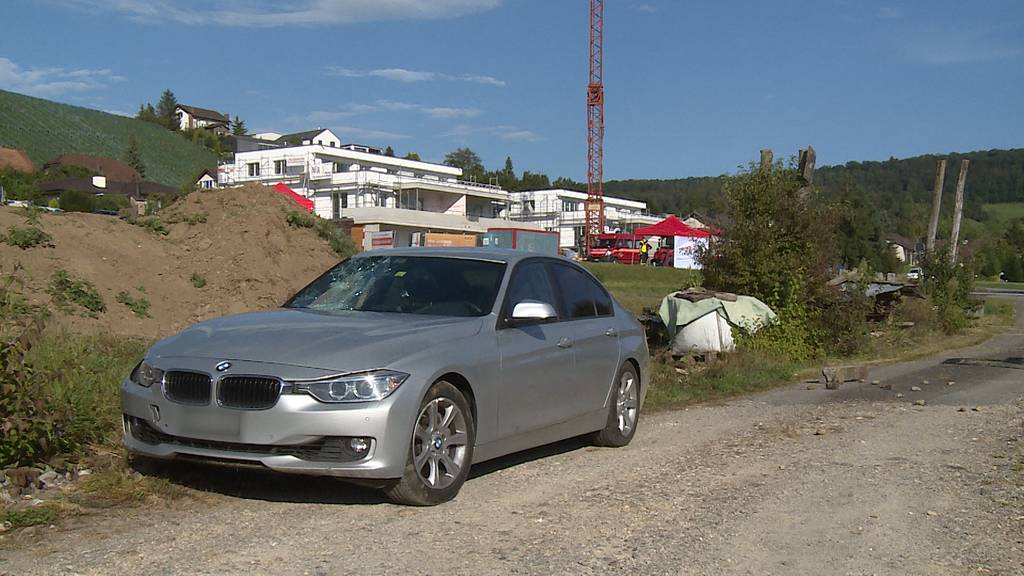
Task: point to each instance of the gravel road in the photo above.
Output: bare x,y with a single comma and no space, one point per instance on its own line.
795,481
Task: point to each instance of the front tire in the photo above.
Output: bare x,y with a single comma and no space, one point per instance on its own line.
440,450
624,410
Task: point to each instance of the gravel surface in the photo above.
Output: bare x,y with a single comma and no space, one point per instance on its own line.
795,481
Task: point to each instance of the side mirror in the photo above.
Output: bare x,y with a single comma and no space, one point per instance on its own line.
532,312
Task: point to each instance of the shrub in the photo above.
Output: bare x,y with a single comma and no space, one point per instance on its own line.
62,396
139,306
26,238
30,516
340,242
153,224
76,201
193,219
198,280
300,219
949,287
70,293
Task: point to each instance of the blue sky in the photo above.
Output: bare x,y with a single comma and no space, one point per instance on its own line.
692,88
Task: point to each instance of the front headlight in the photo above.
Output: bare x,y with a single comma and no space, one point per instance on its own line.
146,375
362,387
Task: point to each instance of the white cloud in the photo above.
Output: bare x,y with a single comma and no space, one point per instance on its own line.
349,132
503,132
645,7
890,12
963,47
405,75
51,82
255,13
325,117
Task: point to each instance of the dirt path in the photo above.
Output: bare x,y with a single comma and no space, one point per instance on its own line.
792,482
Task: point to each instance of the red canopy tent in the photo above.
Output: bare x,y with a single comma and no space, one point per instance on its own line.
672,226
306,203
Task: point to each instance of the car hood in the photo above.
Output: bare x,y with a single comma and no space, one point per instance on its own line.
344,342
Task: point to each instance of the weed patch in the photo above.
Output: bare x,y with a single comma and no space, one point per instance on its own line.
193,219
340,242
71,294
676,384
154,225
138,305
39,515
198,281
26,238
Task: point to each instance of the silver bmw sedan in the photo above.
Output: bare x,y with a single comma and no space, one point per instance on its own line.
399,368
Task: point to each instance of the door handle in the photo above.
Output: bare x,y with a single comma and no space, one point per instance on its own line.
565,342
611,332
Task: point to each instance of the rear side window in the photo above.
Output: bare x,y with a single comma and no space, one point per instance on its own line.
582,296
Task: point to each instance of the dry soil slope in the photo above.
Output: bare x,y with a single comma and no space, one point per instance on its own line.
250,257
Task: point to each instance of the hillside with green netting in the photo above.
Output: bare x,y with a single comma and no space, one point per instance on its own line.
46,129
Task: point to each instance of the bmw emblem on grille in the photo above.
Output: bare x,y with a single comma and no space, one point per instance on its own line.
223,366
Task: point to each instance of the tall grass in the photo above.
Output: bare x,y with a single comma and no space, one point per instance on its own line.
638,286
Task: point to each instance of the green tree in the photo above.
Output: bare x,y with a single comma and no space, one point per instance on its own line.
238,127
472,166
165,109
509,170
133,157
389,151
412,156
1013,268
147,113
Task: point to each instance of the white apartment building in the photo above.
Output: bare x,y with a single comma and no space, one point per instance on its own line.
379,193
562,211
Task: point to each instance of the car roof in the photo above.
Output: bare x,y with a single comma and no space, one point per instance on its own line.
496,254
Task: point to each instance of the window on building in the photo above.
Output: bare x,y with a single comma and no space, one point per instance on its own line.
207,184
570,206
254,169
344,200
333,144
320,142
279,166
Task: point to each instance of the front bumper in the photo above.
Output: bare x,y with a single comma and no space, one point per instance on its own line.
282,438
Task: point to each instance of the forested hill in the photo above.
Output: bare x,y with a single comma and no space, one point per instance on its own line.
993,176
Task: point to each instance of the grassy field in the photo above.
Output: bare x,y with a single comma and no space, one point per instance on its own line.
1000,285
638,286
47,129
1004,212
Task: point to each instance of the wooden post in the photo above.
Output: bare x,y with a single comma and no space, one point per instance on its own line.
766,160
933,224
808,158
958,209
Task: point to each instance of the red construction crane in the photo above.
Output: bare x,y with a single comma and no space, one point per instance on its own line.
595,129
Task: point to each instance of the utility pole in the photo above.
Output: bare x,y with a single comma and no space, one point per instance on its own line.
766,159
958,210
933,224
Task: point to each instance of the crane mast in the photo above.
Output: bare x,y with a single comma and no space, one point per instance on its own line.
595,129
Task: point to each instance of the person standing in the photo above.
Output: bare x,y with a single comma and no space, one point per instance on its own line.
645,252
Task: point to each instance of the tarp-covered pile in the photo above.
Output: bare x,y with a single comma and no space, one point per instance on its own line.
701,321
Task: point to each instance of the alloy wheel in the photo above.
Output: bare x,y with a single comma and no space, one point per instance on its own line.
439,443
626,403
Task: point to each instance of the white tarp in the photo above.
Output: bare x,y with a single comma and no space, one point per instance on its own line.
708,333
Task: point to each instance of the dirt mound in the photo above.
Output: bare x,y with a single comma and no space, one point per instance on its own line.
236,243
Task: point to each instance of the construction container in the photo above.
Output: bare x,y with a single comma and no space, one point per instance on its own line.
538,241
448,239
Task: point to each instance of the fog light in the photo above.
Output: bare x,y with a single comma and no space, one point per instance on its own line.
359,445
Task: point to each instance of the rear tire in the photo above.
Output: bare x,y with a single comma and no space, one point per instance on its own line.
624,410
440,450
